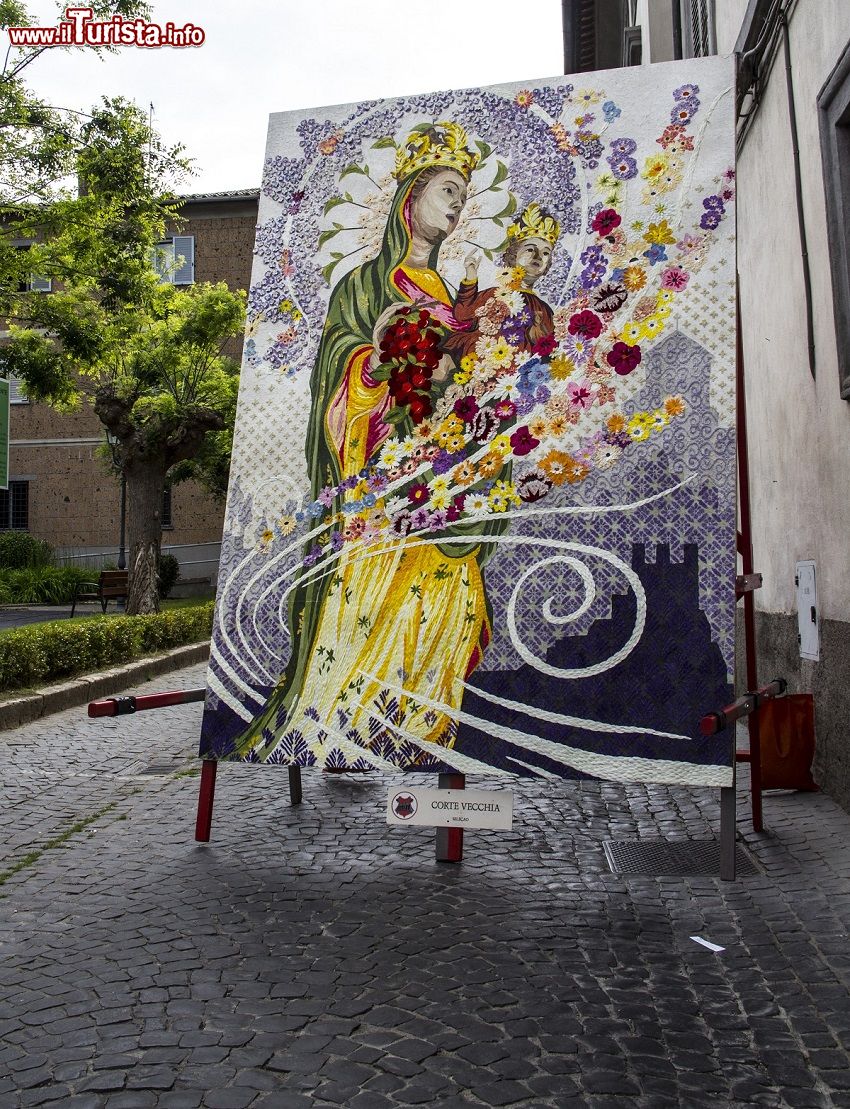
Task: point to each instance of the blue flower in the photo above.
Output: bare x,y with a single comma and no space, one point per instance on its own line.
610,111
656,253
369,500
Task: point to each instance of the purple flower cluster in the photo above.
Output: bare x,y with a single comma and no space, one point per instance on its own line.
622,164
268,242
551,100
281,177
595,266
687,104
589,147
311,133
714,210
265,296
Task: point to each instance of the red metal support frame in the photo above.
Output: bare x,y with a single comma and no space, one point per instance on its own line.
449,846
206,796
745,549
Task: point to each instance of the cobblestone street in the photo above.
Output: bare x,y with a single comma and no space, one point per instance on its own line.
314,956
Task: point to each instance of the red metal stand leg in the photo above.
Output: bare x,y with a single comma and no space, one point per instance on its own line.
450,840
203,824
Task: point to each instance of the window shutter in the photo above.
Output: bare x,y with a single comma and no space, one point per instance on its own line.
16,393
162,261
184,247
40,284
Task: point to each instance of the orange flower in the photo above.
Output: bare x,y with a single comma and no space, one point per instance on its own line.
674,406
464,474
634,278
524,98
576,471
329,145
538,427
557,465
616,423
490,464
557,425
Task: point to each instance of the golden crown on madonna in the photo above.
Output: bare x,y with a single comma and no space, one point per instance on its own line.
440,144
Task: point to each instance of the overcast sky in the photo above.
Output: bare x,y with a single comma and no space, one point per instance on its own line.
263,56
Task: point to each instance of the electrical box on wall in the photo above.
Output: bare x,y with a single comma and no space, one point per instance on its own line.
808,618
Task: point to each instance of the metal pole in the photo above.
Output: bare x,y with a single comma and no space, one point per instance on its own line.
122,559
745,547
728,830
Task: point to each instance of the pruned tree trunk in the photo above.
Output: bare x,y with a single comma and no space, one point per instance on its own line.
145,483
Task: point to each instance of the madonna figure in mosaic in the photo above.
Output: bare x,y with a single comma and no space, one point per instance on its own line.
396,607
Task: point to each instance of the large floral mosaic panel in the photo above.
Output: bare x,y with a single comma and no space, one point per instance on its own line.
481,515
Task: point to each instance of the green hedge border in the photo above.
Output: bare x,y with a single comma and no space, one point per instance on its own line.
40,653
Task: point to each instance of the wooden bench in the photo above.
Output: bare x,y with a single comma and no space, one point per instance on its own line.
111,585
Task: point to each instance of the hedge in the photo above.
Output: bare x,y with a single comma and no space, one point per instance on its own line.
47,652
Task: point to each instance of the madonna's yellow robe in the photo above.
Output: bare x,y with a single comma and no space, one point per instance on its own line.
402,622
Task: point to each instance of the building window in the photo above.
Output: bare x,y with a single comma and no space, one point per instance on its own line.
14,506
694,22
174,260
34,283
16,392
834,114
165,519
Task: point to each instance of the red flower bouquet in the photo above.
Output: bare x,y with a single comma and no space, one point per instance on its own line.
409,353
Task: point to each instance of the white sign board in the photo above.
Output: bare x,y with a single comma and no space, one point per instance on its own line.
451,808
807,610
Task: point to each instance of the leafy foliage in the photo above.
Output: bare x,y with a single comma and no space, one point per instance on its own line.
169,574
19,549
42,585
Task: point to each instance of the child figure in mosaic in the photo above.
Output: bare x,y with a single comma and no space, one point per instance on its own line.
511,309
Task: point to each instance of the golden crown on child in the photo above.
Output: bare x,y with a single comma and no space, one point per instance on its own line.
533,224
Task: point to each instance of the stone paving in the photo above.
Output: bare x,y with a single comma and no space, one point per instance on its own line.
312,956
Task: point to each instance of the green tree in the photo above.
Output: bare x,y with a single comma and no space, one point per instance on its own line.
39,142
149,357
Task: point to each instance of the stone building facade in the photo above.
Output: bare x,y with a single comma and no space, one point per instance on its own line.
62,489
793,220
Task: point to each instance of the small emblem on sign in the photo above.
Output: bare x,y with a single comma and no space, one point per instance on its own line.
404,805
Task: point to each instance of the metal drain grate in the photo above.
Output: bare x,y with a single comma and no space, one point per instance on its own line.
683,858
160,768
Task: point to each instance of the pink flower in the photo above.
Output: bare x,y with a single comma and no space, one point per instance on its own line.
623,359
586,324
581,394
675,279
505,409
